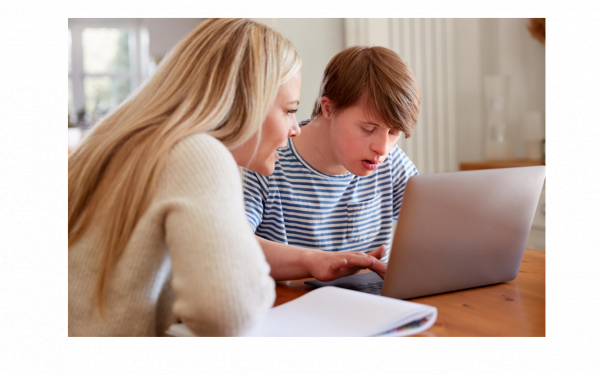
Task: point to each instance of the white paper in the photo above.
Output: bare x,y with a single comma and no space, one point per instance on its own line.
331,311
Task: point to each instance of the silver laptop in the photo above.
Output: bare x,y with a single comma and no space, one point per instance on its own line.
456,231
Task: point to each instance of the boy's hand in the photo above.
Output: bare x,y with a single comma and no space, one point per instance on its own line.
327,266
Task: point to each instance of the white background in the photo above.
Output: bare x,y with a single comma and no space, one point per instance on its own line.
33,201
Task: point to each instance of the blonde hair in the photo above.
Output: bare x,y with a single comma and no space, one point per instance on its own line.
380,77
221,79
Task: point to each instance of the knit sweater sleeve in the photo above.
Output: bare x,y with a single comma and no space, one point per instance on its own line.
220,275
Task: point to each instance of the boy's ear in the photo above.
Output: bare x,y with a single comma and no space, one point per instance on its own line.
326,106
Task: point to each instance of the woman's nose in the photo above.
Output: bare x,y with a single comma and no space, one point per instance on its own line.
294,130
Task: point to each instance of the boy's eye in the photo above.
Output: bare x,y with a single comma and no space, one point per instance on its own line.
369,129
394,132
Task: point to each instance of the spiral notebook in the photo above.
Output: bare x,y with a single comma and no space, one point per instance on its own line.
332,311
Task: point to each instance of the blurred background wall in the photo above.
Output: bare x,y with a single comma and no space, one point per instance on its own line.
482,80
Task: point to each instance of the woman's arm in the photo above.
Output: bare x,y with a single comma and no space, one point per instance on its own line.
220,275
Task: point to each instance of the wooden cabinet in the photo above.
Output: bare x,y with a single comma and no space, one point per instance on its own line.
493,164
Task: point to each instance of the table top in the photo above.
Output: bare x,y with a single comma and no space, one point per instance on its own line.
514,308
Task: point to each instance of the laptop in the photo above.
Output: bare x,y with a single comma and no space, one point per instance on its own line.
456,231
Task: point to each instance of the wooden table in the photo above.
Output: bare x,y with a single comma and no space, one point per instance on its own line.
515,308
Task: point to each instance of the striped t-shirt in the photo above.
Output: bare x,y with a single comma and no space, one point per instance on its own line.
298,205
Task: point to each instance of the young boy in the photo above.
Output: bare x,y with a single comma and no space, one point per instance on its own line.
339,185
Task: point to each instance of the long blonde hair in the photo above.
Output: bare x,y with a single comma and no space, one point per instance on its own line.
221,79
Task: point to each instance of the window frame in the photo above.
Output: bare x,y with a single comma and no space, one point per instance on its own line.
138,54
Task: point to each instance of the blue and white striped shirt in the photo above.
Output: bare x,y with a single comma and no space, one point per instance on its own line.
298,205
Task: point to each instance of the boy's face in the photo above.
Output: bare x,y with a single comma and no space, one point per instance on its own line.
360,142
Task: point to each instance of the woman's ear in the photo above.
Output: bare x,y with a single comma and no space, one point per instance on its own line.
326,106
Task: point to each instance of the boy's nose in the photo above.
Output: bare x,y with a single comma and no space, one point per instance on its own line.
380,146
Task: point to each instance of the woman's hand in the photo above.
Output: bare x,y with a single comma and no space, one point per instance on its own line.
327,266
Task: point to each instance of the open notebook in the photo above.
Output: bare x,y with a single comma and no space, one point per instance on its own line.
331,311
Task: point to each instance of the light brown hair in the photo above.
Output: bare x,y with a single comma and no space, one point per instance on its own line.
221,79
381,78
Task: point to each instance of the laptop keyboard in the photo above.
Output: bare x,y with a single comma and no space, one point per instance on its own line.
372,288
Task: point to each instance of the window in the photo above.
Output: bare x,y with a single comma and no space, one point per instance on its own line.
105,65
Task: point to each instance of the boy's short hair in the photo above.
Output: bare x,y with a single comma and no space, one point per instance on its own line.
389,86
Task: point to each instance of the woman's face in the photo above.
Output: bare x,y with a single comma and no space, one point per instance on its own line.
278,126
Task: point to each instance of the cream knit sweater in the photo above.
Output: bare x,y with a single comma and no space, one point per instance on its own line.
192,256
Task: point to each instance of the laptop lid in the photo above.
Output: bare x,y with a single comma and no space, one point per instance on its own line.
461,230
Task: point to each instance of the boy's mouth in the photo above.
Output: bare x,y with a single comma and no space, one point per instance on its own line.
369,164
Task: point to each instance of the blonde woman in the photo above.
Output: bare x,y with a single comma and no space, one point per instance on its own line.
157,230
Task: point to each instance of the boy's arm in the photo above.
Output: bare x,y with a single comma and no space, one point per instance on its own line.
255,193
294,262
